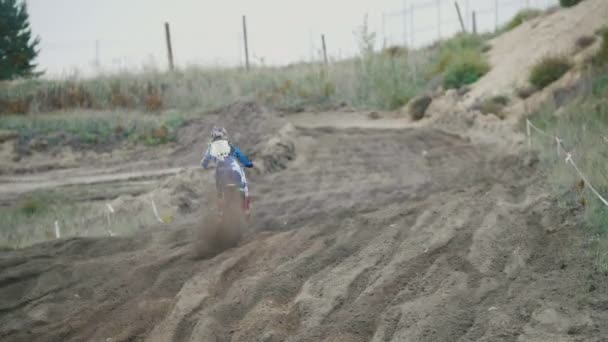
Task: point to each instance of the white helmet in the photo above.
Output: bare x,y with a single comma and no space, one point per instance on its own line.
219,133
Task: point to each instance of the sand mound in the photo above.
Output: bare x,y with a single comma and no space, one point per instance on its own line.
515,52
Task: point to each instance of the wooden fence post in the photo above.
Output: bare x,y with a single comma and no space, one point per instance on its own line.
169,48
324,50
474,23
246,45
464,29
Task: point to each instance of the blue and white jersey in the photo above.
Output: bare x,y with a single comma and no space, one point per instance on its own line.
230,161
235,155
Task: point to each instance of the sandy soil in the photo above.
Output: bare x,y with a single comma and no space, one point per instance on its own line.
513,54
369,234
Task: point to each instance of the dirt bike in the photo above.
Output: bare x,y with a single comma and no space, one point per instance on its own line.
231,209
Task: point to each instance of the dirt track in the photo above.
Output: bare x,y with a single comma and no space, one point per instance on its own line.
368,235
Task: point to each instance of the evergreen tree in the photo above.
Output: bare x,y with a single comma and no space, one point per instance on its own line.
17,47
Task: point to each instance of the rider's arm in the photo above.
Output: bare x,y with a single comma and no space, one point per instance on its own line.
206,159
241,157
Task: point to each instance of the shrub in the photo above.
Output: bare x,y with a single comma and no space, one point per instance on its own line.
418,107
520,17
569,3
465,69
549,70
450,49
584,42
601,57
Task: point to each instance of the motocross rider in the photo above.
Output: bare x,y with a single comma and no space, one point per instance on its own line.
231,162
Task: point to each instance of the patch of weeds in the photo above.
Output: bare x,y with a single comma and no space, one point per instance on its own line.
33,205
464,69
601,31
89,132
584,42
418,107
569,3
451,49
460,60
599,85
600,59
582,124
549,70
520,17
163,133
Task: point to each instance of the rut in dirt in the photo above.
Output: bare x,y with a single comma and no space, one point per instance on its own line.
367,235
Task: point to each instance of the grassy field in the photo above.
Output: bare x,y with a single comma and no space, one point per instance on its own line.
32,219
385,79
92,130
583,126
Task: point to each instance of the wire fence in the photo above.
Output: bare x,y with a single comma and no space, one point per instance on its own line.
562,151
418,24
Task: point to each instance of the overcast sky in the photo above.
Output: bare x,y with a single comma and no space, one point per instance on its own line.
130,33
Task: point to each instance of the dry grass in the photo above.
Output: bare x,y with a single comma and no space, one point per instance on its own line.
520,18
583,126
373,80
32,220
91,129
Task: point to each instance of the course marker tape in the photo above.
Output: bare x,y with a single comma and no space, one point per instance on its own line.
57,230
155,210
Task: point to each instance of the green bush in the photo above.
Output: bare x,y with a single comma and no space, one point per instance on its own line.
601,57
465,69
549,70
520,17
569,3
450,49
599,86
